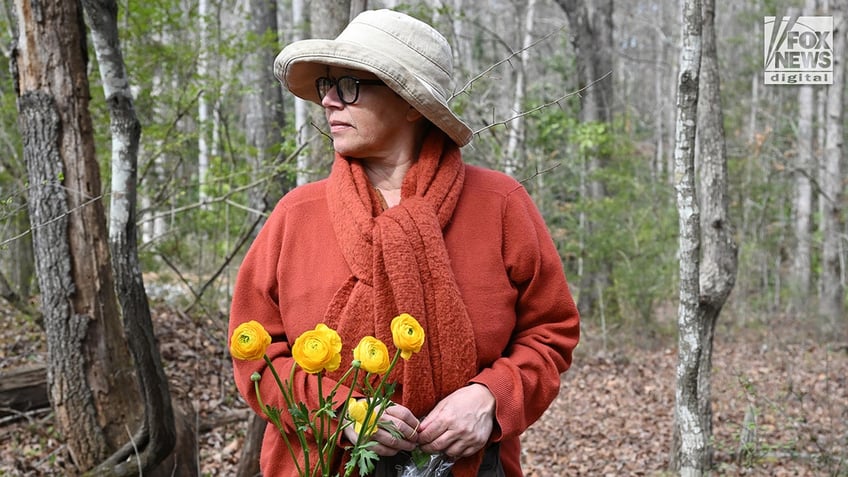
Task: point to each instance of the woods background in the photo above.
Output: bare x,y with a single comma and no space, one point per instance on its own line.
575,99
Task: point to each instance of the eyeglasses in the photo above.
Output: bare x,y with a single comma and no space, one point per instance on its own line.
347,87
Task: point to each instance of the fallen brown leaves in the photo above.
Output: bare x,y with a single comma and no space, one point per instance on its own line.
613,416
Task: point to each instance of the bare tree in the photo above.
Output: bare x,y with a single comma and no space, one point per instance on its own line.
301,106
717,273
204,114
91,379
690,457
264,115
833,289
802,200
591,28
514,150
155,440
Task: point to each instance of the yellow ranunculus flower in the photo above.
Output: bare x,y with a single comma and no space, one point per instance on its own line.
318,349
249,341
407,335
356,411
373,355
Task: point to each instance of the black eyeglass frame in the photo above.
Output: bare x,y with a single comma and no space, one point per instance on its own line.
331,83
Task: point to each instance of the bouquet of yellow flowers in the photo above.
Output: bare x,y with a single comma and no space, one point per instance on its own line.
318,351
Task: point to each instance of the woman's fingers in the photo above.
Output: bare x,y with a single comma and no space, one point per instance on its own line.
460,424
389,443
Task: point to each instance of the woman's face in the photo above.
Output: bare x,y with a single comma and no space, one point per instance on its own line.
378,124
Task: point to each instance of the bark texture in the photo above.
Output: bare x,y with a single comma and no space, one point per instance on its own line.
717,273
155,438
327,18
264,115
833,288
802,199
689,459
90,375
514,157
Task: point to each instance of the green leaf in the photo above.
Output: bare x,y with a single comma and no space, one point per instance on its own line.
420,458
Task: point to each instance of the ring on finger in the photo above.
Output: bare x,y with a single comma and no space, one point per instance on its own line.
414,431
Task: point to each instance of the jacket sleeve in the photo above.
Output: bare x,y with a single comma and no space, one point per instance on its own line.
256,297
526,379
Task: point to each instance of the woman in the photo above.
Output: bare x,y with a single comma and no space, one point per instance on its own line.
402,225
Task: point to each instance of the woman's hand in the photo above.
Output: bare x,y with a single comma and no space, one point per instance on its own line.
388,445
460,424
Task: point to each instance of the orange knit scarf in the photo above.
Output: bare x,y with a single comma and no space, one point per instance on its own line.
399,264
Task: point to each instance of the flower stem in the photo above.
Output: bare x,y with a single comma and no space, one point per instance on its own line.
274,417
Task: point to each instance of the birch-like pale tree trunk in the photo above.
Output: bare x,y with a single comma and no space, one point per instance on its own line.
462,44
833,288
658,168
204,116
514,149
756,77
690,457
156,437
154,222
802,199
301,106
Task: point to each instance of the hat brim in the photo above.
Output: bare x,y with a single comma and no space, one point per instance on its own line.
301,62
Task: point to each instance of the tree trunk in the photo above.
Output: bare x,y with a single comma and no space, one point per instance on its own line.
92,384
248,465
463,48
301,106
591,35
717,273
155,439
690,459
513,159
155,220
264,118
833,290
327,19
204,116
658,168
802,200
756,77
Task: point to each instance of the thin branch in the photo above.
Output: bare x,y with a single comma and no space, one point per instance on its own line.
229,258
543,106
15,415
179,275
222,198
540,172
172,126
54,219
488,70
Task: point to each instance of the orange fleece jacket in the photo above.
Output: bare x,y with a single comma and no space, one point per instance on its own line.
506,266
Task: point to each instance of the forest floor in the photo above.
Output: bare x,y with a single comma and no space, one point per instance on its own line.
613,416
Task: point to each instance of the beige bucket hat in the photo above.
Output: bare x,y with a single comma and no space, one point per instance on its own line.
410,56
